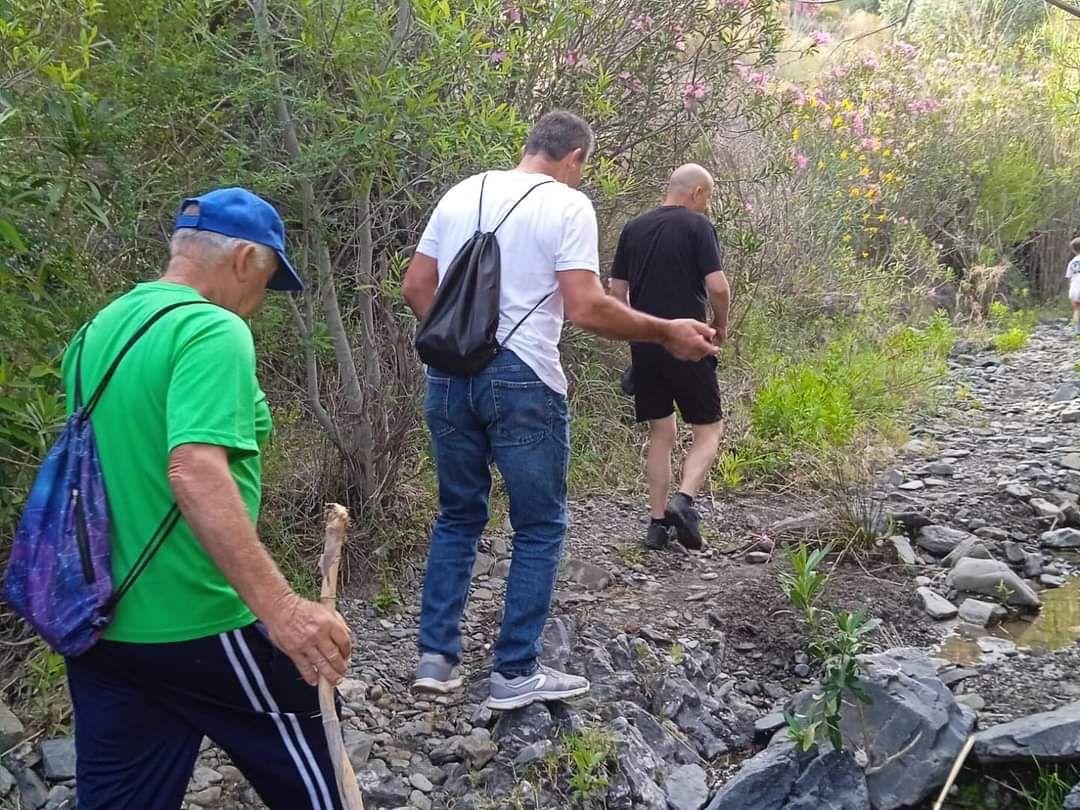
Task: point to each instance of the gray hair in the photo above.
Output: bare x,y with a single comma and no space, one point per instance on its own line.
559,133
213,246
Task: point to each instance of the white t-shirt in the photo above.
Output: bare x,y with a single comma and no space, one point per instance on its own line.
553,230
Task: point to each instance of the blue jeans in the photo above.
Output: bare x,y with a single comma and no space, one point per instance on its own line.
507,415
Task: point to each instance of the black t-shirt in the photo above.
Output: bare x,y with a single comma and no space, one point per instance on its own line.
665,256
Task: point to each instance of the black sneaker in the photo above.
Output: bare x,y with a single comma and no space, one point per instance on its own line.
682,516
656,537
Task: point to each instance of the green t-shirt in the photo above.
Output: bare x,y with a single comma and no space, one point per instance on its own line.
189,379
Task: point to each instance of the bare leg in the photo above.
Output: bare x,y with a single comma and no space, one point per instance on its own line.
1076,313
658,463
700,457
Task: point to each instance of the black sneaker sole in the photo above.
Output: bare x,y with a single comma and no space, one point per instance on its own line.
684,533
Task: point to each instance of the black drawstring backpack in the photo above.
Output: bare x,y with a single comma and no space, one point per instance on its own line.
458,336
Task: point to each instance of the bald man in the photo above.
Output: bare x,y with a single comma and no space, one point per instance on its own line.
668,265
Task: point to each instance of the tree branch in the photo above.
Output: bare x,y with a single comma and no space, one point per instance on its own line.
1066,7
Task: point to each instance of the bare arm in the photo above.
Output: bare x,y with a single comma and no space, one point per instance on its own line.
420,283
716,284
620,291
589,308
210,502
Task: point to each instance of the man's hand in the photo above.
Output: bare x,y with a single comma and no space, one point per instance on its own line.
721,336
688,339
316,639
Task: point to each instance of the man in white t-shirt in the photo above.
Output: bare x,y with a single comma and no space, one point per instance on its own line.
514,412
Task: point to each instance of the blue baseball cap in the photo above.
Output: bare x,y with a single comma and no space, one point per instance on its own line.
238,213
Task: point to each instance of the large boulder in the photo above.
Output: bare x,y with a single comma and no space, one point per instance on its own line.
911,730
1047,736
784,778
992,578
1061,538
1072,801
940,540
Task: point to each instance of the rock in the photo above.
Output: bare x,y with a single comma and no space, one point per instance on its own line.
912,486
917,447
977,612
638,764
758,557
480,748
381,788
1033,565
1022,492
357,746
535,752
936,605
1072,801
452,749
972,701
1014,552
941,468
206,797
520,727
11,729
559,636
904,551
940,540
992,578
1061,538
1051,581
588,575
483,565
421,782
769,724
1065,393
1044,509
783,778
1071,461
1070,415
911,521
1049,737
915,727
61,797
970,547
686,788
32,791
418,800
58,759
7,781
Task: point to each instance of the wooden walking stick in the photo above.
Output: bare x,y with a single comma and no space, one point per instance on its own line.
337,521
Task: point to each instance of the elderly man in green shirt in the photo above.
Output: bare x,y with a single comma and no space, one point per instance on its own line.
209,640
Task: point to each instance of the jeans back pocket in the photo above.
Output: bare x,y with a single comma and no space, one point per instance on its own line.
523,412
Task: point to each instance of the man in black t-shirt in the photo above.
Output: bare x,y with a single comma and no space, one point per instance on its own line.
668,264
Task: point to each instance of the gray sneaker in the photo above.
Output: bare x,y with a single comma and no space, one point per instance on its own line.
436,673
544,684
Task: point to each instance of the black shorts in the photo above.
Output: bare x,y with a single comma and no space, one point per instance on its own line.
661,382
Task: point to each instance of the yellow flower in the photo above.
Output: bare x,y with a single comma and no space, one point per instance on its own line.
866,254
871,193
795,134
865,217
889,177
862,157
843,154
838,122
813,102
847,237
882,218
828,108
886,152
855,191
847,105
866,171
821,165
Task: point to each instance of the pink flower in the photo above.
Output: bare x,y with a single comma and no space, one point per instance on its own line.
749,206
642,23
820,37
870,62
576,59
676,30
759,81
497,57
742,70
858,125
871,144
680,45
800,160
513,13
906,50
695,91
808,9
796,93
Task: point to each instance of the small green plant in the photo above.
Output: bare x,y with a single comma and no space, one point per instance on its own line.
1012,340
386,599
1049,791
588,755
677,654
801,730
633,555
1004,593
804,584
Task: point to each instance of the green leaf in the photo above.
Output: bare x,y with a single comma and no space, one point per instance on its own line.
10,234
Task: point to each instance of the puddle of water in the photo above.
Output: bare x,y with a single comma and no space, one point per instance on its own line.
1055,627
